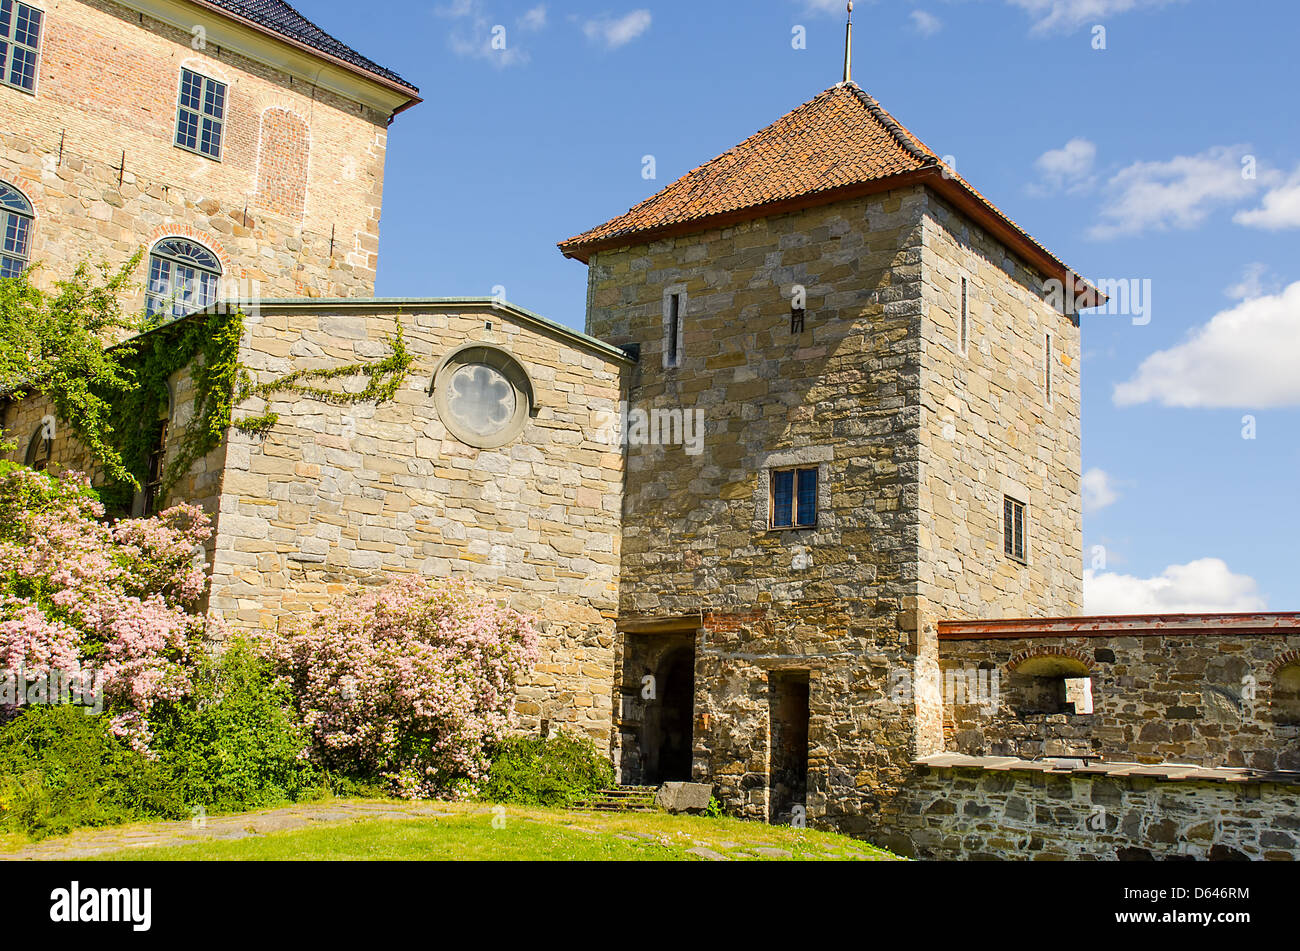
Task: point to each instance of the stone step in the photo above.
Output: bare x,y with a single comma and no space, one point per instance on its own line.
620,799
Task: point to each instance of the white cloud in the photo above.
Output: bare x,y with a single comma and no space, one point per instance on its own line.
476,36
1069,15
534,19
826,6
613,32
1281,208
1255,282
1245,357
1179,193
1204,586
1098,490
927,24
1068,168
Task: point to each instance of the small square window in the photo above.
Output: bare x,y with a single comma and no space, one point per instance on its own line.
200,115
20,43
1013,528
794,498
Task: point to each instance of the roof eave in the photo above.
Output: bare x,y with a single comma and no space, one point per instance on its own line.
582,251
410,93
1081,291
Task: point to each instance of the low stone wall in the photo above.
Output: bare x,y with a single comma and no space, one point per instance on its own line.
1219,693
964,808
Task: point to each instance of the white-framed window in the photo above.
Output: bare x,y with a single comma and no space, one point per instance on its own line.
20,44
674,325
16,219
201,114
183,277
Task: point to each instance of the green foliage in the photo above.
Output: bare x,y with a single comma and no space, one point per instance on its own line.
714,809
60,343
107,373
234,743
209,341
557,771
61,768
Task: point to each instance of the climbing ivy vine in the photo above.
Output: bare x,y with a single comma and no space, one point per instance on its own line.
107,374
209,342
385,378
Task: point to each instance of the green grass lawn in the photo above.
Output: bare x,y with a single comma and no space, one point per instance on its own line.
527,834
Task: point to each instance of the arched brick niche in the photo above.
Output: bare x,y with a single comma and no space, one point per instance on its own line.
1050,680
282,156
1283,689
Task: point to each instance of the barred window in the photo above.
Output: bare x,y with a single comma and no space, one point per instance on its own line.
1013,522
15,230
794,498
183,277
20,44
201,115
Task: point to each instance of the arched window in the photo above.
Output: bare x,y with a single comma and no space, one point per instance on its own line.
15,230
183,277
40,447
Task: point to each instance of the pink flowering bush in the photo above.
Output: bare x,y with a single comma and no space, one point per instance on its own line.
410,682
77,593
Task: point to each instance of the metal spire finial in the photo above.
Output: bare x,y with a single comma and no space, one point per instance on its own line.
848,48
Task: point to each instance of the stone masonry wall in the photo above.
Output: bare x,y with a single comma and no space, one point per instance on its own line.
965,813
94,151
1212,699
989,431
842,396
340,496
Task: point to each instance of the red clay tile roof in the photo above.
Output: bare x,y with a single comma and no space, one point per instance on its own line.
838,145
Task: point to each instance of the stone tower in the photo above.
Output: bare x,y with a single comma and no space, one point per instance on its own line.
889,379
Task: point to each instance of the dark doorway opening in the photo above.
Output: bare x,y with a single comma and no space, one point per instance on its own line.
669,719
788,776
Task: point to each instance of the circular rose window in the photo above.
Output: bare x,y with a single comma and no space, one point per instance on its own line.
483,396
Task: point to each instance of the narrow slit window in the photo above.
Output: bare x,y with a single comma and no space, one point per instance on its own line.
200,117
1047,374
1013,519
674,328
794,498
20,44
963,333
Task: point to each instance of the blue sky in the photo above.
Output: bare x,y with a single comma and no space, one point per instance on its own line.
1170,156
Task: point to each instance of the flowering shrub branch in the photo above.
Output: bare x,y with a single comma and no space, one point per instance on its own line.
410,682
76,591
